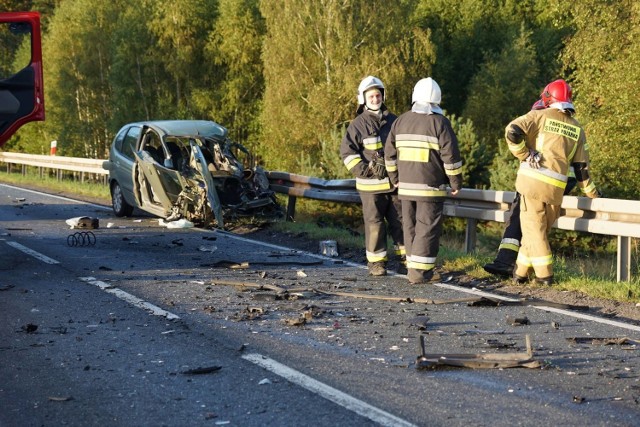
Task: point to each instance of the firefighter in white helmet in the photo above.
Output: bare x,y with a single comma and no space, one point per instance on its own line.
362,151
422,157
547,142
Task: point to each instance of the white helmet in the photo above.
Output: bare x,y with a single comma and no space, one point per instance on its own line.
426,91
367,83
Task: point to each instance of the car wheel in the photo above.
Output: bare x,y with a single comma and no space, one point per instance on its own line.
119,204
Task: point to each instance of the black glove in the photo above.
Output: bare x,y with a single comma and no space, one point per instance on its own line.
367,173
378,169
377,166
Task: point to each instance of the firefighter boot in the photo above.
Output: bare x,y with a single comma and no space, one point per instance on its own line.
499,268
377,268
544,281
402,266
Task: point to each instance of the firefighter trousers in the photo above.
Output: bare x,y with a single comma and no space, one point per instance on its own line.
512,235
536,220
422,229
382,213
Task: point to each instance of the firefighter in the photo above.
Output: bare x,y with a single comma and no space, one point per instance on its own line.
422,157
505,260
547,142
362,152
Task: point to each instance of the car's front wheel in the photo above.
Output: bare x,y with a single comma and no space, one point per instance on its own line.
119,204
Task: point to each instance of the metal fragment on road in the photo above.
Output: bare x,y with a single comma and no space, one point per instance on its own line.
477,361
81,239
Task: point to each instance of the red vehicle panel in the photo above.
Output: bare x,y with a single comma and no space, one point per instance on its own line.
22,92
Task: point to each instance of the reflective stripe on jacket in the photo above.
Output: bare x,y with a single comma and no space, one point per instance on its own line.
561,141
364,137
422,156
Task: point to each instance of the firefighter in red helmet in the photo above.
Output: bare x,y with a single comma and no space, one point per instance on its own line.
505,260
547,142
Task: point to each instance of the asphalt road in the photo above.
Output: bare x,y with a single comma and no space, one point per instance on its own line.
150,326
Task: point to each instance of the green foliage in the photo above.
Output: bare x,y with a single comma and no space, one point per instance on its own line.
233,48
602,69
507,82
503,169
315,55
475,153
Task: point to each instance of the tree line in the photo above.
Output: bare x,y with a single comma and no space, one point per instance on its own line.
282,75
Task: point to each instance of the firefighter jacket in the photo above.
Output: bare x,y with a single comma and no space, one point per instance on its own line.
422,156
363,144
561,141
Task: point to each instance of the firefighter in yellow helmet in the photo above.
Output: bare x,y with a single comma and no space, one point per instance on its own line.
362,152
547,142
422,157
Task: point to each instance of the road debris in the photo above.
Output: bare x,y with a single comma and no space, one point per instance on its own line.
29,328
60,398
83,222
81,239
477,361
297,321
329,248
202,371
181,223
603,341
518,321
246,264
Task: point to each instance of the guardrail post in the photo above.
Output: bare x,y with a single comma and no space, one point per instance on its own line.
470,235
291,208
624,258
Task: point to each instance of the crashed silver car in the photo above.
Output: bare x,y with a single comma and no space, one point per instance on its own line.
187,169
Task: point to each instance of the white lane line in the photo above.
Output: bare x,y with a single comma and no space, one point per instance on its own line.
131,299
553,309
31,252
40,193
284,248
336,396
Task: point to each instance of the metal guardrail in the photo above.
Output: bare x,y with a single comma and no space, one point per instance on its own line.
610,217
57,163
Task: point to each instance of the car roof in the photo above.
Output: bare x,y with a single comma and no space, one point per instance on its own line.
187,127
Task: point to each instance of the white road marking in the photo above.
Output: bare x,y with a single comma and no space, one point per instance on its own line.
131,299
552,309
31,252
336,396
55,196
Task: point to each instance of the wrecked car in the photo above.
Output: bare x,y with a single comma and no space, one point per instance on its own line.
187,169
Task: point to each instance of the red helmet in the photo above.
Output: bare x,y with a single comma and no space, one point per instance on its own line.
556,91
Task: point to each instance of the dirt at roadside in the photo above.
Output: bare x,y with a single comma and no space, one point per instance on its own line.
622,311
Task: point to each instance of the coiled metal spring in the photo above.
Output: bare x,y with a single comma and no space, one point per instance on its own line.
81,238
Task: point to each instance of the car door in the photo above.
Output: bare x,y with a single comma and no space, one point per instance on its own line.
21,84
156,187
122,159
